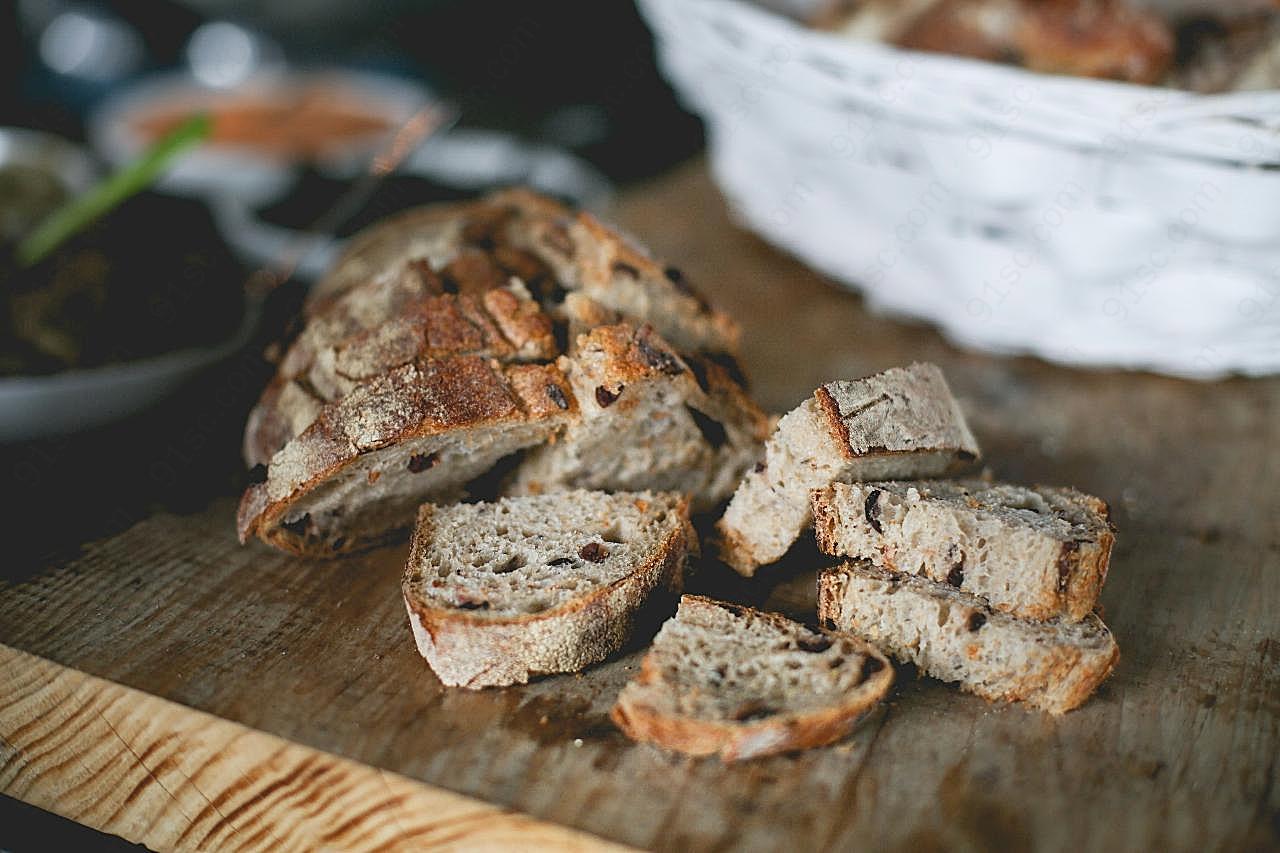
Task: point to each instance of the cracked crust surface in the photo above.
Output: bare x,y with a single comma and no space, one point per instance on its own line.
422,430
384,324
498,593
487,278
650,419
902,423
1035,553
955,636
741,683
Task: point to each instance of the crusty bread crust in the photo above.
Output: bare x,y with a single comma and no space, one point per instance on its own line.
482,278
651,419
1114,40
416,400
902,423
622,275
734,741
379,325
468,649
1050,665
585,254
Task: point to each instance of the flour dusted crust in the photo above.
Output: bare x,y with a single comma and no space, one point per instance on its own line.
499,593
1053,665
383,325
902,423
1036,553
727,680
423,430
487,278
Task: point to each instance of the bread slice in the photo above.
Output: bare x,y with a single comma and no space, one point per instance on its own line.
422,431
729,680
500,592
900,424
955,636
650,419
1034,553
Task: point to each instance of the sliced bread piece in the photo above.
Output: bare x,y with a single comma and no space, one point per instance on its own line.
900,424
1035,553
499,592
422,431
741,683
650,419
955,636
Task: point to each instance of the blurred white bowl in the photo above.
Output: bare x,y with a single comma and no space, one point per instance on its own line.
469,160
243,171
34,407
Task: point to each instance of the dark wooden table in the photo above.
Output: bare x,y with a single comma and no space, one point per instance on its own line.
172,687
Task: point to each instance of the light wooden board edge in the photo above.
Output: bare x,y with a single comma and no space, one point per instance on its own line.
172,778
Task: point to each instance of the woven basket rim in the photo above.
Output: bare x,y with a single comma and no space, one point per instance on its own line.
1253,113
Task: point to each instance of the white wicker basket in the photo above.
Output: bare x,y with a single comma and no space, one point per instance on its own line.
1085,221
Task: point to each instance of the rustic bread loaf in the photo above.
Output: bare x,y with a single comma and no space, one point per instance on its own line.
499,592
1035,553
902,423
649,419
955,636
419,432
484,278
729,680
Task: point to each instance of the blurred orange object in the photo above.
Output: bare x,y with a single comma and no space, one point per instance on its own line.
305,122
1086,38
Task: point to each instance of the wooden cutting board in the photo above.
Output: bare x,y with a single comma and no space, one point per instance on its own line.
173,687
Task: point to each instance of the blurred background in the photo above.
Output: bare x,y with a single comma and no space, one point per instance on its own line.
571,73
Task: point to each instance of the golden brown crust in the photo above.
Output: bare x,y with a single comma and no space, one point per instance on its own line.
1085,38
382,325
959,28
1088,683
438,282
621,275
631,353
834,423
1101,38
736,741
415,400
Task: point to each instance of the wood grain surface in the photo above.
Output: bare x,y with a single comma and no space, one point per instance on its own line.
1178,751
172,778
